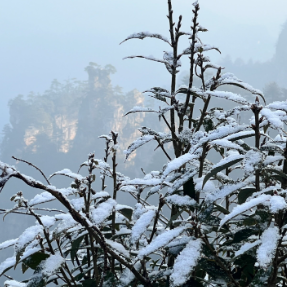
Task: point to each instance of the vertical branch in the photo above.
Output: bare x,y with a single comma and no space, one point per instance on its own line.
256,110
191,71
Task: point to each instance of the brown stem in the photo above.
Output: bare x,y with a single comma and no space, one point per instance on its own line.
29,163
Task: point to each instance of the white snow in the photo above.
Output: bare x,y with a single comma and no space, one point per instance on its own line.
185,262
141,225
52,264
246,246
28,236
180,200
100,194
78,203
266,251
69,173
47,220
277,203
14,283
245,206
102,211
272,118
8,243
118,248
160,241
7,263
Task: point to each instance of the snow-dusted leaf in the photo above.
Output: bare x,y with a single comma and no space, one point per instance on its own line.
159,93
228,96
101,212
185,262
51,265
118,248
142,35
267,249
227,144
68,173
246,246
199,47
230,79
138,143
178,162
190,173
223,164
138,109
160,241
14,283
8,243
141,225
239,209
180,200
273,119
7,264
25,238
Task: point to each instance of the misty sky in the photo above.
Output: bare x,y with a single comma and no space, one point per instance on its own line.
44,40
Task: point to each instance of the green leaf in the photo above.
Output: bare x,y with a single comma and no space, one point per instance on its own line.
279,175
36,280
188,188
220,168
242,235
127,212
89,283
208,125
75,247
221,208
244,194
34,260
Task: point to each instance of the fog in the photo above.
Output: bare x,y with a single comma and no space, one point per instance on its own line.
42,41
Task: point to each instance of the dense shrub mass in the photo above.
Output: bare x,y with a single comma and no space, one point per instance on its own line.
213,215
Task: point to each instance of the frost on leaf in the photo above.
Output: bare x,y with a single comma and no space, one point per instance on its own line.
138,109
138,143
160,241
68,173
266,251
141,225
185,262
142,35
7,243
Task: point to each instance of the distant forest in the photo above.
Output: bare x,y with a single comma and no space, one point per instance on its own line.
61,126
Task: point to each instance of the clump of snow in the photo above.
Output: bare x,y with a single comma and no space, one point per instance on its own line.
78,203
47,220
141,225
100,194
52,264
277,203
102,211
180,200
69,173
185,262
28,236
266,251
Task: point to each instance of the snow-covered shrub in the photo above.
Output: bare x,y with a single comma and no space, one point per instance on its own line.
227,222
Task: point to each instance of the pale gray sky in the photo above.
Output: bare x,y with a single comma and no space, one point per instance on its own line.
42,40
